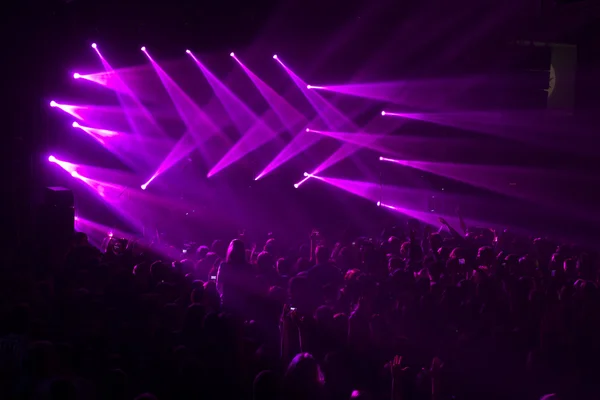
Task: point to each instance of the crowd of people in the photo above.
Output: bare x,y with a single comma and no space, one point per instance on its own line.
419,313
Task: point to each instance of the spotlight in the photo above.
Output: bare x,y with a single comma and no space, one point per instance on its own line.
144,186
74,174
378,204
306,174
76,75
143,48
76,125
307,129
232,54
189,52
53,104
380,158
383,113
52,159
296,185
309,86
275,56
94,45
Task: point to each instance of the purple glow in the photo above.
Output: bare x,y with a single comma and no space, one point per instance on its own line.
308,130
75,174
76,76
296,185
94,46
275,56
53,104
144,186
383,113
378,204
306,174
143,49
232,54
380,158
76,125
52,159
188,51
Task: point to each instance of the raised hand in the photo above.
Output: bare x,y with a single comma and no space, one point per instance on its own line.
397,369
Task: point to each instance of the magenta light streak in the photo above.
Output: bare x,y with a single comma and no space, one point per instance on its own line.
69,109
188,51
286,113
143,49
52,159
333,118
297,185
183,147
275,56
94,46
76,75
256,131
239,112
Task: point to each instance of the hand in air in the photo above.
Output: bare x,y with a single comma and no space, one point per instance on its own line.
398,371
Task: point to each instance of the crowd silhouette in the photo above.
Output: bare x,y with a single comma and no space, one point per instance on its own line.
418,313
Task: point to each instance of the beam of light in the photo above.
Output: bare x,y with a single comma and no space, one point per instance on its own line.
182,148
143,49
74,111
52,159
411,93
197,122
265,129
139,118
534,185
76,75
242,116
287,113
96,133
297,185
94,46
333,118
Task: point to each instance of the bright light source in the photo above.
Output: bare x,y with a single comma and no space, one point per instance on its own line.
307,129
144,186
94,45
76,125
309,86
76,75
306,174
74,174
380,158
143,48
189,52
275,56
52,159
53,104
378,204
383,113
232,54
296,185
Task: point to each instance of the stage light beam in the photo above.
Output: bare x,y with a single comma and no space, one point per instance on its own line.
188,51
378,204
275,56
144,186
94,46
143,49
232,54
53,104
52,159
76,75
296,185
76,125
383,113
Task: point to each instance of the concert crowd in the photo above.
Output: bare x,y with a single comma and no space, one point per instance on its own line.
420,312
